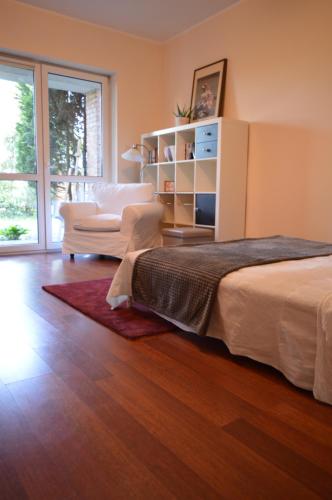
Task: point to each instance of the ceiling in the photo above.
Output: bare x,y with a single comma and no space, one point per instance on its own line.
157,20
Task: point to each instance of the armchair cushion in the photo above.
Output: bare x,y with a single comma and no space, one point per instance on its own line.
99,222
112,198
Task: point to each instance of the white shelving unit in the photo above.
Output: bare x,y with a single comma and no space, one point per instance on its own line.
209,188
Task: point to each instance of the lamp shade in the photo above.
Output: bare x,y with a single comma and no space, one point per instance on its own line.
133,154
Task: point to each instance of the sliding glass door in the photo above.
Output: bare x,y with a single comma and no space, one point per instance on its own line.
21,184
53,145
74,139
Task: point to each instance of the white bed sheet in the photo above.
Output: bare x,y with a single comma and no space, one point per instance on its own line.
279,314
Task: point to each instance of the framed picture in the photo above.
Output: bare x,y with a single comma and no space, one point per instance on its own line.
207,96
169,186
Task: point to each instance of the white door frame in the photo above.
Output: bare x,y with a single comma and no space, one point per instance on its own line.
46,69
43,176
38,177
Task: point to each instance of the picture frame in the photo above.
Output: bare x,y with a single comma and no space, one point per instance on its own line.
208,91
169,186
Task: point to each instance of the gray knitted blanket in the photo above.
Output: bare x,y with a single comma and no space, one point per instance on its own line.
182,282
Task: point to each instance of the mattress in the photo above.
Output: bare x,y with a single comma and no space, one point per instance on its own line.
279,314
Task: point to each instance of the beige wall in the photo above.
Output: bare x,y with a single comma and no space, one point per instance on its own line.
137,64
280,80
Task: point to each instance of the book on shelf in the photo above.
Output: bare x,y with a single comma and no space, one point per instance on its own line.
153,155
189,151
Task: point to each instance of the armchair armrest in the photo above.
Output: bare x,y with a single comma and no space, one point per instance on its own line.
141,224
71,211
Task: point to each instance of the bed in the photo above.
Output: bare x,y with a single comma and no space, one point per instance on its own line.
279,314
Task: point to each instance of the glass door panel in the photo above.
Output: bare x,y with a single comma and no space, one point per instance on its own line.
17,122
19,179
74,142
53,144
18,212
75,129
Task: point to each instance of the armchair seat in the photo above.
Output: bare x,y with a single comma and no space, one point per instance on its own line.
99,222
121,218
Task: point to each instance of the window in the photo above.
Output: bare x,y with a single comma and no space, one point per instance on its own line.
53,145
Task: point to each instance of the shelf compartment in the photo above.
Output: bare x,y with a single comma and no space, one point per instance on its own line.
185,177
150,174
184,138
205,209
184,209
166,174
167,199
166,148
151,143
206,176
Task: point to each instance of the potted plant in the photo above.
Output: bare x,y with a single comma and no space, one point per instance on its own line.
182,115
12,232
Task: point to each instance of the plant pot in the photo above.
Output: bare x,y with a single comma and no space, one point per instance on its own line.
181,120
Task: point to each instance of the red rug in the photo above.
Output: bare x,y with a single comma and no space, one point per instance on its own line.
89,297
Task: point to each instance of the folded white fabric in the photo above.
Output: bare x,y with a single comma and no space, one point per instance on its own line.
99,222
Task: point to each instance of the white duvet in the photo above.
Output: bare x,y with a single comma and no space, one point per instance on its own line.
279,314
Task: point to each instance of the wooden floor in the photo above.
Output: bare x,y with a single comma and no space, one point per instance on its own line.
87,414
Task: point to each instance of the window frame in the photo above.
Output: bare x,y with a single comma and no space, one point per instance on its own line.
42,175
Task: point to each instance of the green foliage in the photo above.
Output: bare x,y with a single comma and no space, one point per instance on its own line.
68,140
18,199
12,232
67,122
23,142
67,127
184,112
67,118
15,201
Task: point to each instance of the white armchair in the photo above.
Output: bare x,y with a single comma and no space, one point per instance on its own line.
122,218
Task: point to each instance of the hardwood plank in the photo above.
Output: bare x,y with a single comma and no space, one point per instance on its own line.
309,424
79,442
241,376
26,469
293,438
230,469
293,464
83,360
206,398
148,418
10,485
19,363
174,474
26,327
76,379
292,428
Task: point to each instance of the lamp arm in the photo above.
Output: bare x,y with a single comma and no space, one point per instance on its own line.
143,145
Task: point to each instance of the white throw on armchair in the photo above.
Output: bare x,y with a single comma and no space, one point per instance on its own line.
122,218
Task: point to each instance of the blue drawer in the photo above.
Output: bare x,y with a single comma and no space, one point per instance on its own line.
206,149
207,133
